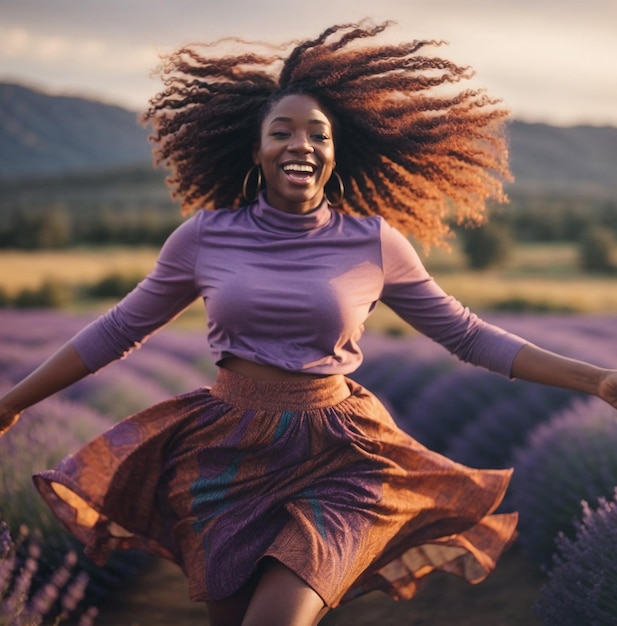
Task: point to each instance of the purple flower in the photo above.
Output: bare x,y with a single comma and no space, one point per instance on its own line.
6,543
23,600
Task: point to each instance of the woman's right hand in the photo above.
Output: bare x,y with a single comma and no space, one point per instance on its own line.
59,371
7,419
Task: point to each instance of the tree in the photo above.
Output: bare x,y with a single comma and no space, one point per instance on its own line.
596,251
487,246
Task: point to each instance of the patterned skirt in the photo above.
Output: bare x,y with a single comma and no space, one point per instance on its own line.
313,473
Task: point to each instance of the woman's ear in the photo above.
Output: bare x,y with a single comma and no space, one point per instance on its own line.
256,157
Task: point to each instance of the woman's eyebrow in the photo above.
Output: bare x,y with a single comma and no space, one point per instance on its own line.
289,119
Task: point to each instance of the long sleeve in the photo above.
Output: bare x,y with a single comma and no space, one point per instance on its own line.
415,296
155,301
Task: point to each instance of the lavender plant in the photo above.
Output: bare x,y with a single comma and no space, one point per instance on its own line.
398,372
173,373
187,347
116,392
447,404
6,542
569,459
491,438
582,584
58,598
32,327
578,336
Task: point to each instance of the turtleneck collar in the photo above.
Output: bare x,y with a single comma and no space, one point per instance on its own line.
279,220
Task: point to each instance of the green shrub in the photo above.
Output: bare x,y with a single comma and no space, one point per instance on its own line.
52,294
596,251
487,246
112,286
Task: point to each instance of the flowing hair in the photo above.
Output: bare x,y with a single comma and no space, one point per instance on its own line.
407,147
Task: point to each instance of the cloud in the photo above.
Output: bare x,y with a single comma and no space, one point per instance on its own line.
98,68
19,43
548,59
24,46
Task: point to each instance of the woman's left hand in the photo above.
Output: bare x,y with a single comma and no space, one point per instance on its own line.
607,388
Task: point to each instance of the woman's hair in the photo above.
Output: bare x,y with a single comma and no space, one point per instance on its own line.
407,147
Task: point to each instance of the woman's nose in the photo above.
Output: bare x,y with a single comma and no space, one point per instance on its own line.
300,143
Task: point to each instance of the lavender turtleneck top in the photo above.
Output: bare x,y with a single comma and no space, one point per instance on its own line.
291,291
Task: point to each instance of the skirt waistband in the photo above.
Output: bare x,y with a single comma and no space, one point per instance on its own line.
246,393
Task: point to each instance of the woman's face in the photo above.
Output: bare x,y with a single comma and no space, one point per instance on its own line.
296,153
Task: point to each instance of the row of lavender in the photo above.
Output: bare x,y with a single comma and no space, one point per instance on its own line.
561,445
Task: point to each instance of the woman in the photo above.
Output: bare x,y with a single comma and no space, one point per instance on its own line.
287,488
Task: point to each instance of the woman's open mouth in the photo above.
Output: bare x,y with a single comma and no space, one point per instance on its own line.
299,173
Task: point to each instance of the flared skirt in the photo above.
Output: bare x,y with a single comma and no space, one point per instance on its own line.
314,473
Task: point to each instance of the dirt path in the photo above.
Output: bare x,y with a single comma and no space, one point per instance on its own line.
158,598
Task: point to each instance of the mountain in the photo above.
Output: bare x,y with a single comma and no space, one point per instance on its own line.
582,158
43,135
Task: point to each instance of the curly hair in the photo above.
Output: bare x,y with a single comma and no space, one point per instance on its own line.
407,147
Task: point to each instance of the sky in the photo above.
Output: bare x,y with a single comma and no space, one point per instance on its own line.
550,61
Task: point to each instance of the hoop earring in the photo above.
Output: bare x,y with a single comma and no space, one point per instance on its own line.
341,191
245,184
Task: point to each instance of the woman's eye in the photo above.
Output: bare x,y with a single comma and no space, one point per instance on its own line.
279,134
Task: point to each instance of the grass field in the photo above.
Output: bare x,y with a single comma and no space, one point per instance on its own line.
542,276
30,269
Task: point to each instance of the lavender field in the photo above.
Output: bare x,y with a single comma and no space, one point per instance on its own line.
562,446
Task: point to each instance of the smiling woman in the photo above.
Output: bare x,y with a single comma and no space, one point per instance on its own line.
296,153
286,488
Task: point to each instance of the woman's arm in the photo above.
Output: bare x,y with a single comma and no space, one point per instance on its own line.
412,293
59,371
542,366
162,295
156,300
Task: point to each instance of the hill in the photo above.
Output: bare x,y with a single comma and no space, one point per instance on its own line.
581,158
45,135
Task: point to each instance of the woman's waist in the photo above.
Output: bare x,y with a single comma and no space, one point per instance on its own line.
264,387
262,372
